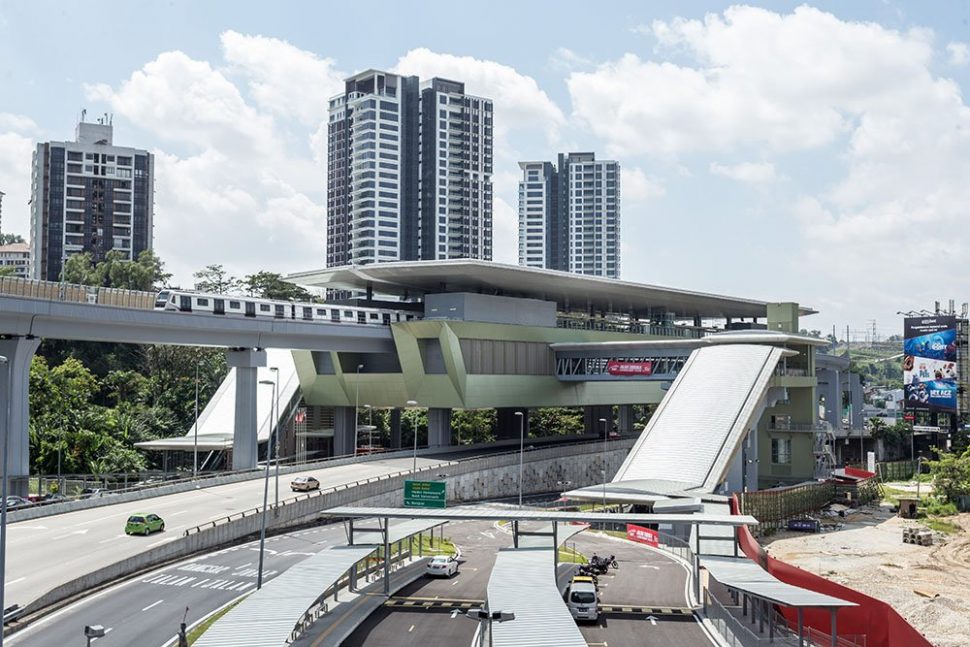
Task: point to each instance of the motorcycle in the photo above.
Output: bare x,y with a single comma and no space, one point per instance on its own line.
601,565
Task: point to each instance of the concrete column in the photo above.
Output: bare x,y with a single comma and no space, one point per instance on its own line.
507,423
344,428
592,415
625,422
439,427
244,445
395,429
14,381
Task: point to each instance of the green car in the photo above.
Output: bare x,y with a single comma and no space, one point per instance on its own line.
143,524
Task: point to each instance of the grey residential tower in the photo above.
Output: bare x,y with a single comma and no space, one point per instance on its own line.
89,196
410,171
569,215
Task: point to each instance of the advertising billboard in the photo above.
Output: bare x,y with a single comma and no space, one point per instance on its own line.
642,535
616,367
930,364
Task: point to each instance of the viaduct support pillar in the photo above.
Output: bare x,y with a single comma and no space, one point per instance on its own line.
439,427
625,423
395,429
592,415
14,380
244,445
507,423
344,430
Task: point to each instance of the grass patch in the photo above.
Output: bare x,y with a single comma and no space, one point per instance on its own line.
570,556
441,546
201,628
891,495
942,525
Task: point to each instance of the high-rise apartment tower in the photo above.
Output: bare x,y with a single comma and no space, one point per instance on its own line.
409,174
569,215
89,196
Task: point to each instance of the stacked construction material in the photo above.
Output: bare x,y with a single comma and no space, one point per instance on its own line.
918,535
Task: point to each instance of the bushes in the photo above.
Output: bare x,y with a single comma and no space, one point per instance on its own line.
951,476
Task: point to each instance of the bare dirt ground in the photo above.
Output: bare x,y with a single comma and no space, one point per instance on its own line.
868,554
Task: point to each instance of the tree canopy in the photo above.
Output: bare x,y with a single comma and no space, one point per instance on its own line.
147,273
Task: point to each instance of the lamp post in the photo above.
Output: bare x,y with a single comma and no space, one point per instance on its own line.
262,522
195,432
3,504
370,431
357,409
521,416
606,435
414,429
275,420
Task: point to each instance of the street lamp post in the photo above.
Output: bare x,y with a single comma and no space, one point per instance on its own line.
195,433
275,420
262,522
357,410
414,429
370,431
521,416
606,435
3,504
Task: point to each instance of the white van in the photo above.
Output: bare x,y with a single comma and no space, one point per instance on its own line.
582,599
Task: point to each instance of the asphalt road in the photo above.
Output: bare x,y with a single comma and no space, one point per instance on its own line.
402,627
43,553
147,610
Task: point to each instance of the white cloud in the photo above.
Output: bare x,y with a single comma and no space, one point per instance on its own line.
959,53
637,186
566,59
284,79
748,172
859,100
519,103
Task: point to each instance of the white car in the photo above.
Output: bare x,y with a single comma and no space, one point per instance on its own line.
442,565
304,484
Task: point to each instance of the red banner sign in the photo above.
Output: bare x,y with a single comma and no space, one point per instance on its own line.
642,535
614,367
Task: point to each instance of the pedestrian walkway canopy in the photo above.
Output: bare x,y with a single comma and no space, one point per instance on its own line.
744,575
268,617
523,582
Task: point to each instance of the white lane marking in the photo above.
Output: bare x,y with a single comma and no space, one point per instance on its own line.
16,526
652,620
115,538
153,604
75,532
19,579
175,514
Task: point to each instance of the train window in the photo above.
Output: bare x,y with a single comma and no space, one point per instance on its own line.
202,302
185,303
373,315
250,309
321,312
234,305
308,313
335,314
278,311
264,307
349,314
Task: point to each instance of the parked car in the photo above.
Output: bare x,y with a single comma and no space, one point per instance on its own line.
442,566
92,492
16,502
143,524
304,484
582,599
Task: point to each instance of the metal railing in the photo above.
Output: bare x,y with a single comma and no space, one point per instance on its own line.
729,626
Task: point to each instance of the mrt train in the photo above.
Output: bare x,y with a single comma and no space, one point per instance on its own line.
234,306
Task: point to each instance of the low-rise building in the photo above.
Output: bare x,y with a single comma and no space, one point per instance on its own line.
17,256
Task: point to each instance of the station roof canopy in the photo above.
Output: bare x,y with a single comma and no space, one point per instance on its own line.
502,514
572,292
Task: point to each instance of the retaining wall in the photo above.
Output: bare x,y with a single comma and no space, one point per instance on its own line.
490,477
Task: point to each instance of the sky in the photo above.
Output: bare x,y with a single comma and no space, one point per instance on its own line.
817,153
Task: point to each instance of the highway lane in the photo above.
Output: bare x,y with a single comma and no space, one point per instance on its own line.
43,553
402,627
647,578
147,610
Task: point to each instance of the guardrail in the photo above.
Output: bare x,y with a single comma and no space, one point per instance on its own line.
75,293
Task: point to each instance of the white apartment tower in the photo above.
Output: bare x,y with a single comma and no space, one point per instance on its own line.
409,174
569,215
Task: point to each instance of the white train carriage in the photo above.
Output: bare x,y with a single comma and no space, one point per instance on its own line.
232,306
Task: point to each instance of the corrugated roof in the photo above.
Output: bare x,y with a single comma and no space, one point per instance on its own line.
523,582
267,617
564,532
744,575
537,515
696,430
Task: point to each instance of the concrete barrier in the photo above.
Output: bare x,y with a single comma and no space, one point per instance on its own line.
477,479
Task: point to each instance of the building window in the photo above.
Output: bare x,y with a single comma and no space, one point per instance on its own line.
781,451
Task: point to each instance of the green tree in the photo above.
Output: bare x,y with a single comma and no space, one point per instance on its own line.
473,425
555,421
216,280
7,270
10,239
270,285
951,475
146,274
